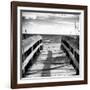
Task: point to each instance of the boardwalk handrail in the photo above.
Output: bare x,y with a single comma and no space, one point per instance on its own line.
71,46
30,56
32,40
30,50
25,54
72,53
75,49
71,56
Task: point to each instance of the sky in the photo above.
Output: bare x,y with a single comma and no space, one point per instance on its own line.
50,23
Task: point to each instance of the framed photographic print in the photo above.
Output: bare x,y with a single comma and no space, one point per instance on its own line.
48,44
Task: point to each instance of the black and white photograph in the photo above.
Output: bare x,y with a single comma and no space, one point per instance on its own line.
50,44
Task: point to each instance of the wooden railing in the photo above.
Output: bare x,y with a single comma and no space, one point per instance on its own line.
29,53
72,53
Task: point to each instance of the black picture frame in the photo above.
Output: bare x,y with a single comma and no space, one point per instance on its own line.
14,5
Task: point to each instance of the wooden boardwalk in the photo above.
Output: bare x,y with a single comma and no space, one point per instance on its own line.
49,64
